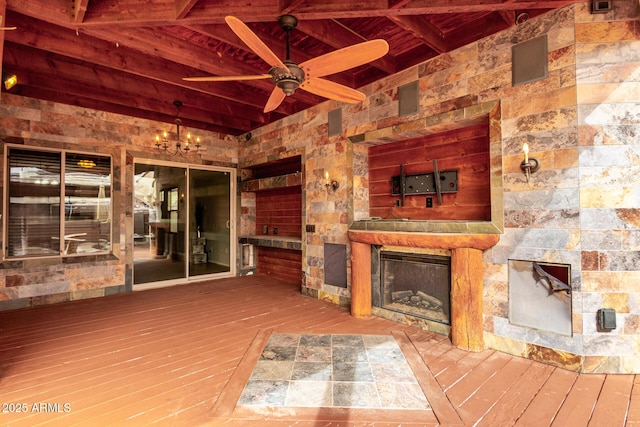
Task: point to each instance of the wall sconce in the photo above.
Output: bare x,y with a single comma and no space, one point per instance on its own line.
530,164
330,183
9,80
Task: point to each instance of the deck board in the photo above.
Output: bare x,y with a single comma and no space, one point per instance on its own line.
544,406
613,401
581,401
165,357
515,400
633,413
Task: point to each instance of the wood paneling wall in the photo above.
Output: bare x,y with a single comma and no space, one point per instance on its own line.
465,150
281,208
285,264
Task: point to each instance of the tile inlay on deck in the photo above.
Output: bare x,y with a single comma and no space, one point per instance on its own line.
339,371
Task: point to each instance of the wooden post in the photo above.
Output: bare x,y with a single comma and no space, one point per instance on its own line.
466,295
360,279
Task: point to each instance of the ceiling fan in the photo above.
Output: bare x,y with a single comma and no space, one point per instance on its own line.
289,76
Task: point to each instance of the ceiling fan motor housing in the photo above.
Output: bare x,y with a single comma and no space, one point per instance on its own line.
289,80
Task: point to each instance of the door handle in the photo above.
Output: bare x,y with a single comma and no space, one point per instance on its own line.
228,223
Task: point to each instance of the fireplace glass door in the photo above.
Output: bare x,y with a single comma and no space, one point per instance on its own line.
416,285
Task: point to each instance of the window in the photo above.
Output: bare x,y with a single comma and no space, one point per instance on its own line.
38,223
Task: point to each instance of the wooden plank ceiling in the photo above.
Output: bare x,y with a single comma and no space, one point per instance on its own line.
129,56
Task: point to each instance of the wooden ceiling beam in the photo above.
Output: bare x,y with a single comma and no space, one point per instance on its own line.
144,106
288,7
103,84
214,11
489,24
65,42
60,97
508,16
424,30
79,10
223,33
183,7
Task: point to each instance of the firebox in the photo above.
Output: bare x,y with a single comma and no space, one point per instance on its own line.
416,285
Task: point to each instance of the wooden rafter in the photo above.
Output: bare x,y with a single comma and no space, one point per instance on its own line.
79,10
424,30
129,56
103,13
183,7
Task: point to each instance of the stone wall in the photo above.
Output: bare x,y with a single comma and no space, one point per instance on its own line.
579,209
608,115
35,123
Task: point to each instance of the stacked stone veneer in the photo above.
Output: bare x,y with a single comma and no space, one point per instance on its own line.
581,207
35,123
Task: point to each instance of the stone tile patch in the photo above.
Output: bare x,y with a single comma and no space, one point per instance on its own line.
331,370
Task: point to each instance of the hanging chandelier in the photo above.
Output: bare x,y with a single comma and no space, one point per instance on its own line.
164,144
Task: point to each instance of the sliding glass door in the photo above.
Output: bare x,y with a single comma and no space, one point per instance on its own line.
182,223
210,225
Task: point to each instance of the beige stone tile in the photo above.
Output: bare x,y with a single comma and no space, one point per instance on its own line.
617,301
601,32
599,93
576,322
605,197
505,345
601,281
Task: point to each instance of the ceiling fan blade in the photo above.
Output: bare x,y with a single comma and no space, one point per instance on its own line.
275,99
345,58
226,78
253,42
332,90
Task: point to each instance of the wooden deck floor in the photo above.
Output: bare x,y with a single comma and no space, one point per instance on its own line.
176,356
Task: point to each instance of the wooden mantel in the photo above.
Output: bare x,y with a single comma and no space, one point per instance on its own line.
466,276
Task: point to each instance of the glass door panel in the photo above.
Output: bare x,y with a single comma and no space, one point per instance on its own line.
160,215
209,231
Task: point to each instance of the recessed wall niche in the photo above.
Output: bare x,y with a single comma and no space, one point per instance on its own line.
443,176
466,117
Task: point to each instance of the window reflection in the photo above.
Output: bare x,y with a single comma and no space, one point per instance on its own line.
37,186
34,203
87,203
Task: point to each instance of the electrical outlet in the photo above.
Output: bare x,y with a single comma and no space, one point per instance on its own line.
429,202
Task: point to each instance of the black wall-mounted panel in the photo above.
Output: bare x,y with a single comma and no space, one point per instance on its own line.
424,183
335,264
